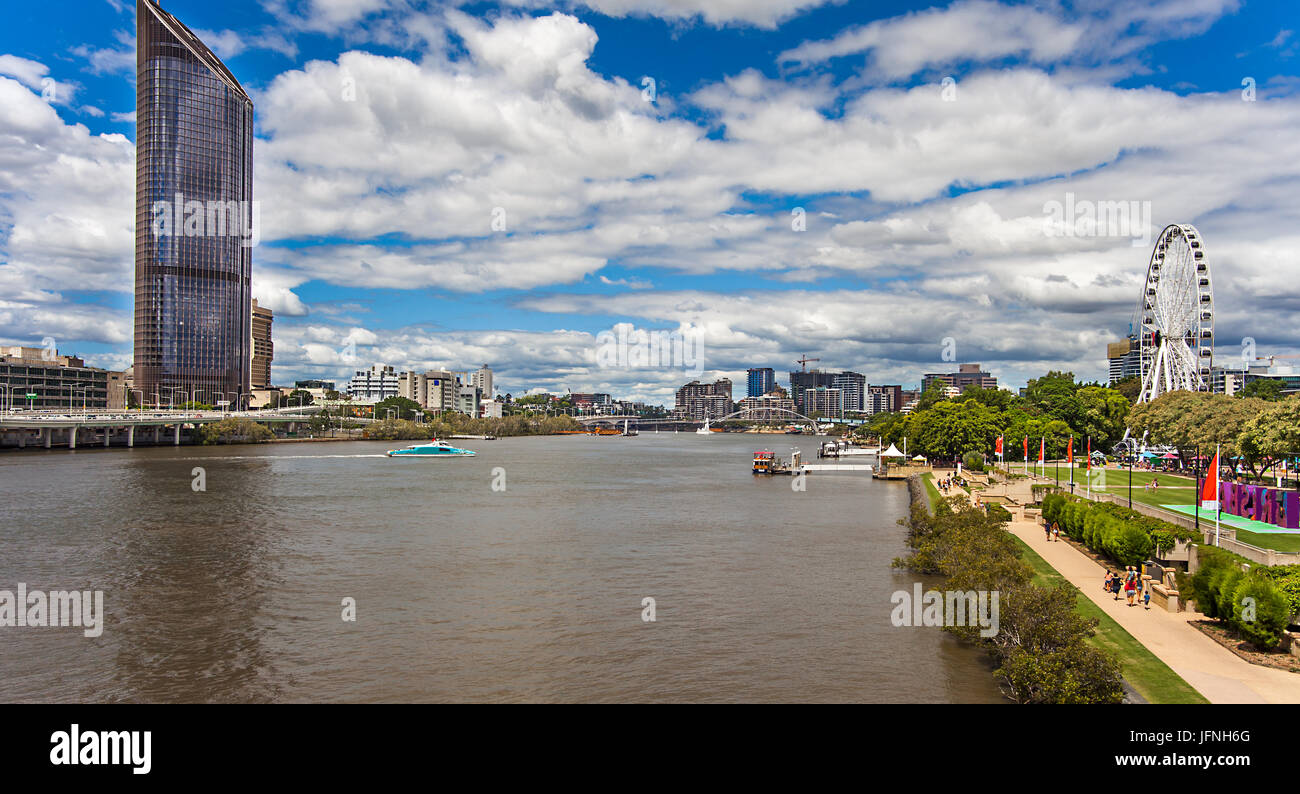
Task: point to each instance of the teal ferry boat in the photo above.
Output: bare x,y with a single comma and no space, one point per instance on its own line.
434,449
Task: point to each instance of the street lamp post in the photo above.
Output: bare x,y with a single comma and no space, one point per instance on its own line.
1196,497
1131,453
85,390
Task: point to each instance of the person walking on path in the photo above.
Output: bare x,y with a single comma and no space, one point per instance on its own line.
1056,532
1146,599
1130,586
1105,583
1047,530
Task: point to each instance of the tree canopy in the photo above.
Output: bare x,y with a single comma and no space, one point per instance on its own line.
1262,388
1259,432
1055,408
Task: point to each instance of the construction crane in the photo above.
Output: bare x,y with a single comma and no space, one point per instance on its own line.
803,362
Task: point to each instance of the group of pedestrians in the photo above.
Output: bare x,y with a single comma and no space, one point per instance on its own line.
1130,582
948,483
1053,531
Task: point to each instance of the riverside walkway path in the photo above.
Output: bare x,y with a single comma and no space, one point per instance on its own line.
1214,671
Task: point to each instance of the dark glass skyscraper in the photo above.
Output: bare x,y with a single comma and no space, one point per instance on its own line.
194,216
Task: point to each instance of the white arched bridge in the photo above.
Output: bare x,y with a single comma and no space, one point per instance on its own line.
782,415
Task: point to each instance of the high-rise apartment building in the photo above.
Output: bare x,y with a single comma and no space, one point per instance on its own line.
263,349
698,401
823,402
482,380
373,385
436,389
852,386
771,406
194,216
883,399
760,381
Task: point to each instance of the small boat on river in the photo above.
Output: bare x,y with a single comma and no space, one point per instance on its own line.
433,449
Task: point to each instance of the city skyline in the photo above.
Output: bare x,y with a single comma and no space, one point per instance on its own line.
649,351
392,256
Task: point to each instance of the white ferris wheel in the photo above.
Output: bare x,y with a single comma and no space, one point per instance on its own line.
1177,313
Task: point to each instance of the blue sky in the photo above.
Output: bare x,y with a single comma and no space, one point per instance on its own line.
919,144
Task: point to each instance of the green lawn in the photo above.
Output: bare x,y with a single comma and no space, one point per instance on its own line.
1151,677
1269,541
1114,476
935,496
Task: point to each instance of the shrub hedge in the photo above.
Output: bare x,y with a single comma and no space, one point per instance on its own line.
1252,602
1124,535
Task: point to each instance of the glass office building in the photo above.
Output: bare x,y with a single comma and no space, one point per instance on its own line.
194,217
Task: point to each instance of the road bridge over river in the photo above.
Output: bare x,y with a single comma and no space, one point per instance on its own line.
123,428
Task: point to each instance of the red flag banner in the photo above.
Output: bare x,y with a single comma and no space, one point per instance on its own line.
1042,449
1069,451
998,449
1089,453
1210,490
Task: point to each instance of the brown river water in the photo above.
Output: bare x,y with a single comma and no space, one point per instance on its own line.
464,592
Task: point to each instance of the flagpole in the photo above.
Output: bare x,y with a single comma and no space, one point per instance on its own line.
1218,508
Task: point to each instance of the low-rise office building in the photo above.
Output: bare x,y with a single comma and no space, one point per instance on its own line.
38,378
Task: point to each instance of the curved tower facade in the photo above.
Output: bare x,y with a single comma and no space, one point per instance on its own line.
195,221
